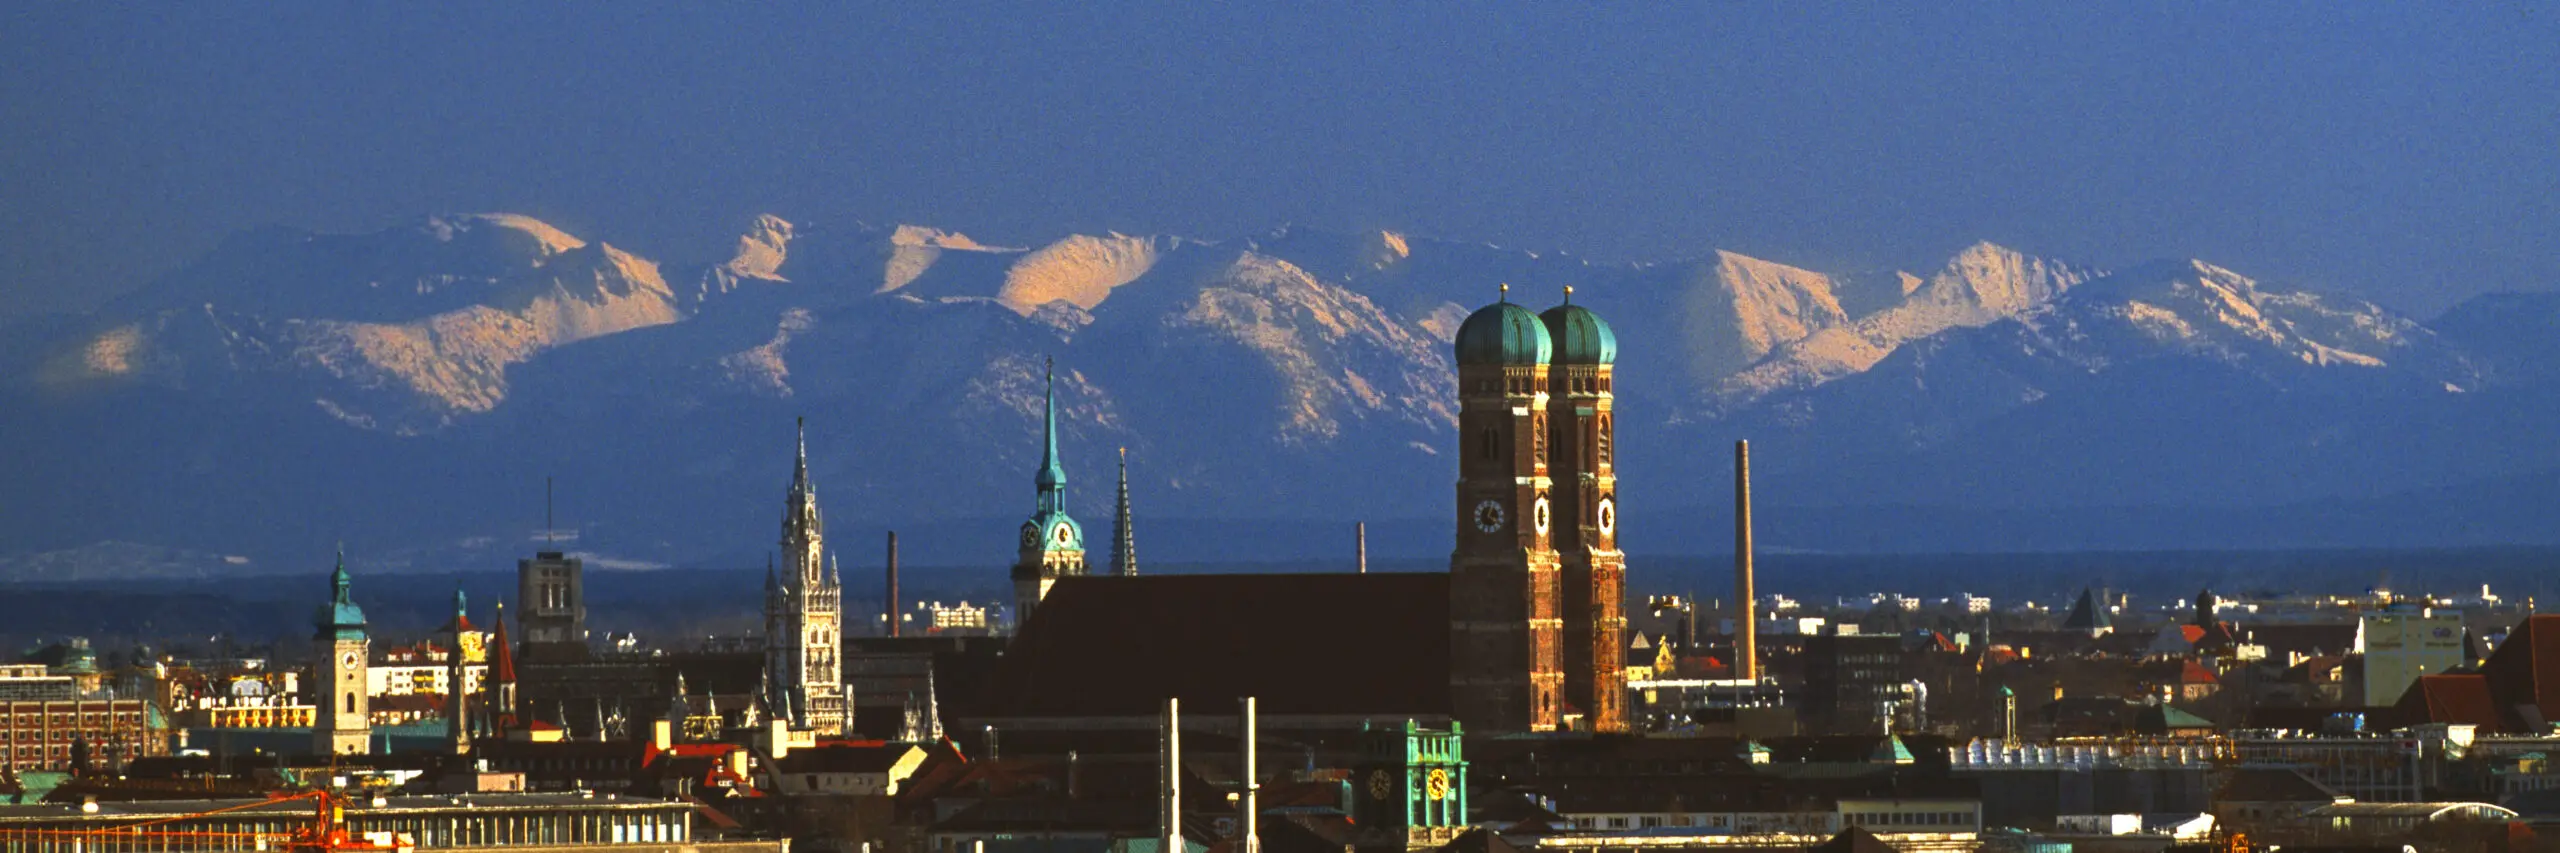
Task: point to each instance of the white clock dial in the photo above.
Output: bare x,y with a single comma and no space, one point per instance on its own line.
1538,515
1608,516
1064,534
1489,516
349,660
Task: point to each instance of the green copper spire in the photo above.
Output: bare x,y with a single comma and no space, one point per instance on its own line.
1053,476
340,618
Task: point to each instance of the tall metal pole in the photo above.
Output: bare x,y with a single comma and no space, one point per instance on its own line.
1172,818
1252,781
892,606
1746,628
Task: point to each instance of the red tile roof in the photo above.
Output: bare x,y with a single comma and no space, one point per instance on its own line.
2195,673
2461,699
2525,670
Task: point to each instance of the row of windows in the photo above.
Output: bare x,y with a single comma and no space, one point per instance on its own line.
1908,818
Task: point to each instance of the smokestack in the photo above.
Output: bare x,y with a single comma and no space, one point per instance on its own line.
1360,537
1746,625
1252,782
892,605
1171,818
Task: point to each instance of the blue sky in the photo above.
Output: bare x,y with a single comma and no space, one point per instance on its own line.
2408,153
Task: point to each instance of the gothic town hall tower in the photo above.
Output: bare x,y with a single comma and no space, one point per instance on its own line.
803,617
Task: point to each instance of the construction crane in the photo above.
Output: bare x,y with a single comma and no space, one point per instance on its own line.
326,831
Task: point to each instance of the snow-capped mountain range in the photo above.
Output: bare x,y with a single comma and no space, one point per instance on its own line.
405,386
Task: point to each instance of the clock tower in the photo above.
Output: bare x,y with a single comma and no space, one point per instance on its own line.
1581,445
344,725
1052,544
1505,625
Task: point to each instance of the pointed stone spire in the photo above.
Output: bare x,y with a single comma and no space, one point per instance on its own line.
1124,539
800,519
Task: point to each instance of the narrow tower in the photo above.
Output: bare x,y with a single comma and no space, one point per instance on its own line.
803,616
1505,625
1746,608
1581,461
1124,539
345,724
465,650
1052,542
501,710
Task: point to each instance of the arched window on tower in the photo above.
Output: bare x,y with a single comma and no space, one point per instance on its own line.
1602,441
351,703
1488,444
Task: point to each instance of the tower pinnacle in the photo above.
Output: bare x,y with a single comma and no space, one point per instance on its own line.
1053,476
1124,540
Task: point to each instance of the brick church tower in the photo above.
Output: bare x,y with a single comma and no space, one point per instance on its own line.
1505,617
1580,449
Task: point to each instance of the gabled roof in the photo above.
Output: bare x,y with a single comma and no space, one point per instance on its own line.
1855,839
2195,673
1366,644
2088,614
2461,699
2525,671
2274,785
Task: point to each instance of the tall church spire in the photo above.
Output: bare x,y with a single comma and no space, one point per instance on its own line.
1124,541
1052,542
1053,476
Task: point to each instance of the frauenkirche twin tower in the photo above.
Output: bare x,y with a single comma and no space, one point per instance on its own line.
1537,582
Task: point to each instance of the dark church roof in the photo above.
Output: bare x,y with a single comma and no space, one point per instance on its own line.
1332,644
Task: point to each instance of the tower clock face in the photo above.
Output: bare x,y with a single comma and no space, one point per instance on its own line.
1489,516
1538,515
1437,785
348,660
1380,785
1063,534
1030,535
1608,516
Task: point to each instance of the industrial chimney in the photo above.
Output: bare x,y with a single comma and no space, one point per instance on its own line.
1360,543
892,606
1746,625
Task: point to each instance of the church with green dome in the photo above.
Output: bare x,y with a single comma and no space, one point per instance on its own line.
1537,583
1052,544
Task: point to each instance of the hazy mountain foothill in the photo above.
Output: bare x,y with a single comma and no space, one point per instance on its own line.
407,391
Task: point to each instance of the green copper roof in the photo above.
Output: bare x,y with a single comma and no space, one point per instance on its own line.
1046,523
340,616
1502,333
1891,751
1579,336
